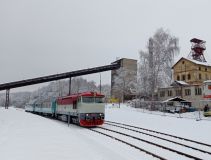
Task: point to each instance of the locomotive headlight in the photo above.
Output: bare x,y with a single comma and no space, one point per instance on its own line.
87,115
100,114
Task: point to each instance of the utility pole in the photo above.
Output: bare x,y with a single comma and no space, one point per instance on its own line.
70,85
7,102
100,83
151,67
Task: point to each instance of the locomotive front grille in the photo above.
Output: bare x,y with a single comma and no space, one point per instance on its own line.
91,119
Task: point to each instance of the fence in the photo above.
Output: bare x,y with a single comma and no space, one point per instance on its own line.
182,109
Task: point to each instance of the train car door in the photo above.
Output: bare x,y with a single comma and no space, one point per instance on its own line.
53,106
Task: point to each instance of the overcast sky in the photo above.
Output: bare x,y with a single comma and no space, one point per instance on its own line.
43,37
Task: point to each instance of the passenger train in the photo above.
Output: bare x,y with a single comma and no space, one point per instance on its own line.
85,109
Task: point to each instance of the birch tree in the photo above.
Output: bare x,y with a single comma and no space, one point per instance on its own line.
156,62
124,82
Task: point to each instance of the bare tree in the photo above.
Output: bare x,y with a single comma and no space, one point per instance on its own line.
105,89
125,80
156,62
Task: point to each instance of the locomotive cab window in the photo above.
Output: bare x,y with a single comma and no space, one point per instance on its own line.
88,99
98,100
92,99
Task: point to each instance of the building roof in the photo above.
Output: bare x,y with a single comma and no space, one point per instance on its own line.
120,59
176,99
193,61
179,83
207,81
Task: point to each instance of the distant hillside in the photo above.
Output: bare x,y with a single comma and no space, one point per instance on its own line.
55,89
18,99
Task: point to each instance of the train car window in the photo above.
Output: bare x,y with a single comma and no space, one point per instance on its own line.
209,87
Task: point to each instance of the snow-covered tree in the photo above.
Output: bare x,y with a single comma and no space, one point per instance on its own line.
54,89
61,88
124,81
105,90
18,99
156,62
80,84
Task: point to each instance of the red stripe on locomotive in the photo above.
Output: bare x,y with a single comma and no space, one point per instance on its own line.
71,98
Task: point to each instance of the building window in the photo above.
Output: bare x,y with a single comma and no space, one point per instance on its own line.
169,93
178,93
206,76
189,77
198,91
183,62
187,92
162,93
199,68
183,77
205,69
178,78
199,75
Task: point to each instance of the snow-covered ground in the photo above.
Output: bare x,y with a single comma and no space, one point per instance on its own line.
168,123
26,136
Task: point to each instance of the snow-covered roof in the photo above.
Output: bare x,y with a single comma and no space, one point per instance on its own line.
176,99
182,82
198,62
207,81
194,61
179,83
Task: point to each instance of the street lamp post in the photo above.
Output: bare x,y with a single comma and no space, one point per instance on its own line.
100,83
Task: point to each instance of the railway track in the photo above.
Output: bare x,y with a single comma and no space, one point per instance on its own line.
130,144
113,133
149,130
165,139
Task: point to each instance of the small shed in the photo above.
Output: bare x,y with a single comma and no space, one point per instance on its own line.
176,104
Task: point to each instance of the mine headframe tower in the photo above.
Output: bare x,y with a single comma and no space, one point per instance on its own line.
197,50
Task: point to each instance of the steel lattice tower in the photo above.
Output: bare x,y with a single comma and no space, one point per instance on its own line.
197,50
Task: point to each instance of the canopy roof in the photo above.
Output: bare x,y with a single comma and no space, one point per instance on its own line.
176,99
179,83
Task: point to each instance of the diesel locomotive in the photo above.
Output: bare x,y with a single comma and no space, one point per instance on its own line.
85,109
